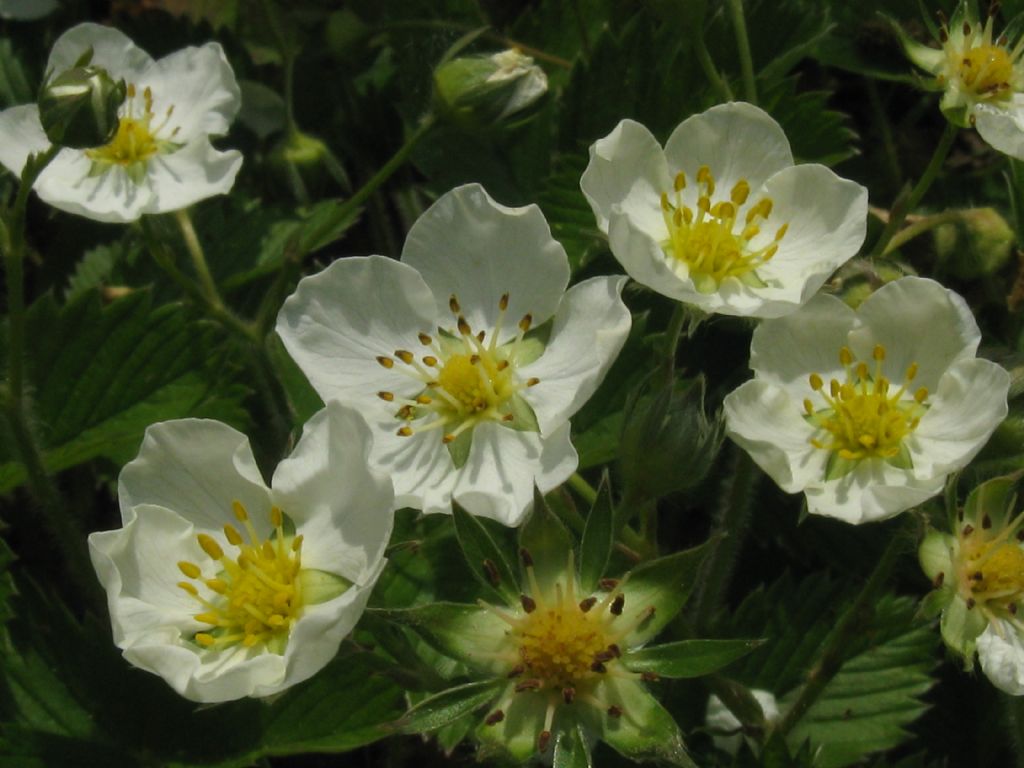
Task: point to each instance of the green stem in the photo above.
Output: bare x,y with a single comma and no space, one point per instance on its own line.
672,335
708,65
899,211
849,628
195,252
739,24
586,491
919,227
739,490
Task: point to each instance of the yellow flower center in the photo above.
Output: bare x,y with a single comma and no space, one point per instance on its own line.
981,66
463,379
560,647
713,239
257,595
990,567
864,417
136,140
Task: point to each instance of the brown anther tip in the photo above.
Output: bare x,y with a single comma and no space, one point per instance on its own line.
526,557
615,711
598,666
543,740
970,603
532,381
425,340
481,336
967,28
603,656
502,365
968,530
448,439
617,604
650,677
516,671
404,355
404,432
607,585
1012,608
528,603
503,302
986,522
507,417
464,326
453,304
494,718
940,577
568,694
614,650
587,603
525,323
388,396
1020,535
430,361
491,571
474,359
387,362
977,576
527,685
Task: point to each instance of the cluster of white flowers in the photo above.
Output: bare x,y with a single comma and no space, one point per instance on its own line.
451,375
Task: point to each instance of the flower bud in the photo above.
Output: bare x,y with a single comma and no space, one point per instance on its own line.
478,91
668,441
976,244
78,107
306,164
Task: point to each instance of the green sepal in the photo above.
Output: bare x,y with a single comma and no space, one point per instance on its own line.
838,467
598,537
515,736
934,554
571,749
448,706
924,56
994,499
663,584
935,602
459,448
467,633
646,731
751,279
534,343
479,548
961,627
523,417
901,460
688,658
320,586
548,543
704,283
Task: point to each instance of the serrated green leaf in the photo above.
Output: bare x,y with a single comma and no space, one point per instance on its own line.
816,133
568,212
448,706
689,658
598,537
14,84
483,556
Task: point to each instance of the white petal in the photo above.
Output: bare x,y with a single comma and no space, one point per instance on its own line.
22,135
338,321
645,260
138,567
874,490
917,321
968,406
193,173
787,350
419,466
342,508
470,246
111,49
503,466
826,219
1003,127
590,328
200,85
196,468
109,196
627,169
766,422
736,140
1001,653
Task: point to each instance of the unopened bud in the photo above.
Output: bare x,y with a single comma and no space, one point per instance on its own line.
78,107
477,91
976,244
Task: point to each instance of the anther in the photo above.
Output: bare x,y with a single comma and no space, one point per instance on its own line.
587,603
568,694
463,326
430,361
503,302
533,381
878,352
599,667
970,603
986,522
491,571
481,336
615,651
940,577
424,399
617,604
967,531
204,639
543,740
967,30
528,603
404,432
232,535
189,569
977,576
449,438
607,585
921,395
210,547
845,356
508,417
527,685
650,677
516,671
1012,608
404,355
494,718
239,511
525,323
665,204
680,181
386,396
453,304
526,557
740,192
387,362
816,382
615,711
188,588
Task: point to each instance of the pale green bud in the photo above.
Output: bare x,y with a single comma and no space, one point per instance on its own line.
483,90
977,243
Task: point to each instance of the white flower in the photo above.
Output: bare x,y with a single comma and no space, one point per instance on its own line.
161,158
867,412
721,218
1001,653
981,76
467,358
225,587
726,729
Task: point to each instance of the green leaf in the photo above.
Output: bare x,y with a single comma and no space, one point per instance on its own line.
598,537
483,556
14,84
571,749
448,706
568,212
469,633
547,541
689,658
102,374
664,585
815,132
